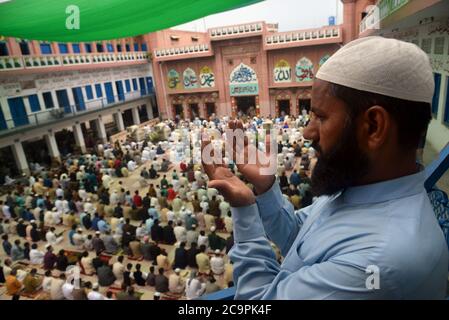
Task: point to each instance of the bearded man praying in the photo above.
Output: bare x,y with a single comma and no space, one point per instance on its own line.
372,232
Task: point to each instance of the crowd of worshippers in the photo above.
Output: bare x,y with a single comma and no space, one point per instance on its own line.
85,198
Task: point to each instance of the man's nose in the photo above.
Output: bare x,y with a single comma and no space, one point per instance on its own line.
311,132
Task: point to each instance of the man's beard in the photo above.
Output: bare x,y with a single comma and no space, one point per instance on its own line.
341,167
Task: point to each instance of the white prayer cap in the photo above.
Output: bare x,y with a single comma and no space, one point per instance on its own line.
193,226
80,230
157,294
95,286
55,209
33,221
380,65
217,251
212,229
97,232
177,270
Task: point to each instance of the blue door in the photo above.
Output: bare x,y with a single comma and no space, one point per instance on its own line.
3,125
120,92
150,84
143,87
18,112
63,100
109,92
79,99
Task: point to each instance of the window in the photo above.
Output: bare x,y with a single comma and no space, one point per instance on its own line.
88,47
24,48
63,49
128,85
34,103
110,47
436,95
135,85
46,48
89,93
76,48
3,49
426,45
100,47
128,48
446,107
136,47
48,100
144,47
119,48
99,90
439,46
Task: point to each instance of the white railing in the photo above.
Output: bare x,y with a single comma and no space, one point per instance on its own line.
236,30
9,63
299,36
179,51
378,12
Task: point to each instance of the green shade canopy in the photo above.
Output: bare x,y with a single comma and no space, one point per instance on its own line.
102,19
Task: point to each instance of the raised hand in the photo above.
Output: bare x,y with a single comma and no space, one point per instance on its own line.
221,178
259,173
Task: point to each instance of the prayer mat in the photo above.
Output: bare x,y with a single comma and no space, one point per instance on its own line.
33,295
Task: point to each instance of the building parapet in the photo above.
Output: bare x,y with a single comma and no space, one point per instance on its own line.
13,63
247,29
303,37
184,52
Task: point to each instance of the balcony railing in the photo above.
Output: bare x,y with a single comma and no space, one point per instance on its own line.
10,63
242,29
180,51
69,111
301,36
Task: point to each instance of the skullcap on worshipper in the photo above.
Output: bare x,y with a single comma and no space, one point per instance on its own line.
217,251
212,229
157,294
384,66
97,232
54,209
80,230
193,225
177,270
95,286
33,221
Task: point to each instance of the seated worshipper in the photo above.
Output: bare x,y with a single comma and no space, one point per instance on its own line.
36,256
118,268
192,235
203,262
162,260
132,165
56,287
368,116
134,247
49,258
211,285
217,263
128,294
86,264
13,285
141,231
127,275
180,256
161,282
157,233
62,262
175,283
203,239
105,275
111,246
194,287
138,276
97,243
53,238
215,241
32,282
151,277
67,289
95,294
79,239
168,234
180,232
17,252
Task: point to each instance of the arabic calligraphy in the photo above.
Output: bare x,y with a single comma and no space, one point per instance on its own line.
207,78
304,70
173,79
323,60
282,72
243,74
190,79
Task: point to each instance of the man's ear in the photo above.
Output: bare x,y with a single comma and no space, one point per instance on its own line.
376,126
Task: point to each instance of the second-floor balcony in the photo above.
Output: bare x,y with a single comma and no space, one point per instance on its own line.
12,126
12,63
203,49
